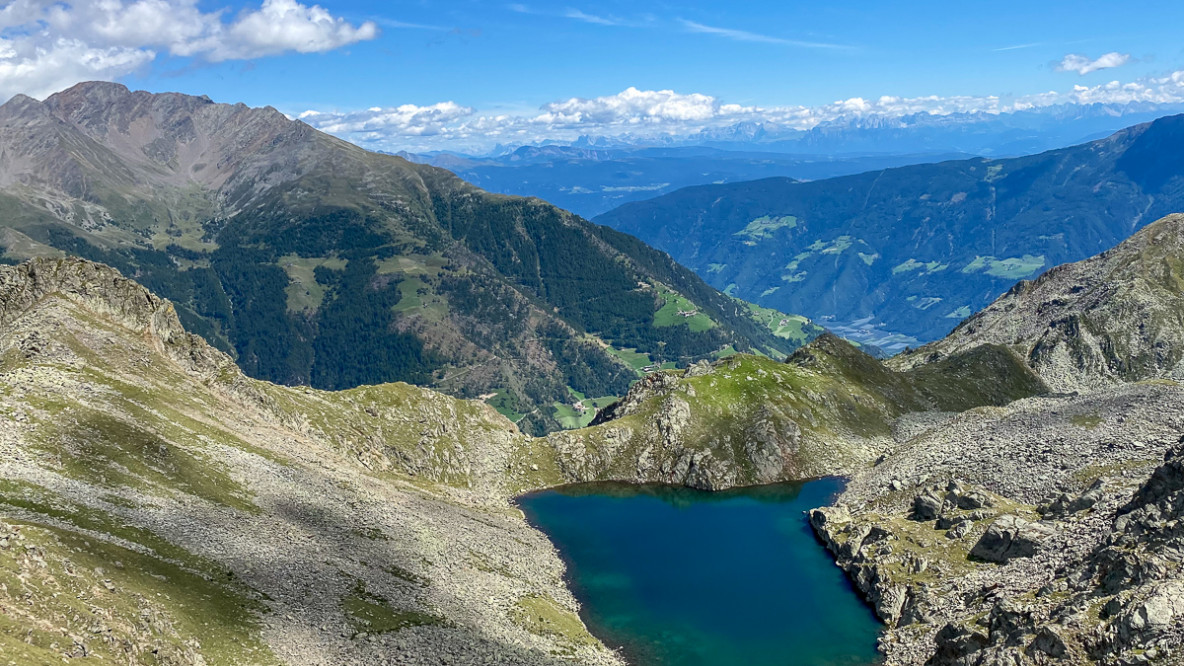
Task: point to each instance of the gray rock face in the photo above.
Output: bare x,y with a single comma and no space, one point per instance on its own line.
1048,641
995,584
1065,504
959,529
1010,537
927,506
104,291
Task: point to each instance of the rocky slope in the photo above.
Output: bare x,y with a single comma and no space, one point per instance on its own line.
315,262
900,256
1116,317
1043,531
1002,536
157,506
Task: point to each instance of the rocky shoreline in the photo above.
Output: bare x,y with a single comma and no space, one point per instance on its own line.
997,546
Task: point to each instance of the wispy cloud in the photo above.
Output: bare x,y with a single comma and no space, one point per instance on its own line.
392,23
1017,47
746,36
1083,65
589,18
577,15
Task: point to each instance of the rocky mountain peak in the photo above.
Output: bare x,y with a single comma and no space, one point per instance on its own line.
21,110
107,139
89,93
103,290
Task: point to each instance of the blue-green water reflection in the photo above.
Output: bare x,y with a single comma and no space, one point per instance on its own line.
681,577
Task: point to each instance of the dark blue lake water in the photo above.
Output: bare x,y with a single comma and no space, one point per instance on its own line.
678,577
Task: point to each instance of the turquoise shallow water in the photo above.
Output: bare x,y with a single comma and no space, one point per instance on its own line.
677,577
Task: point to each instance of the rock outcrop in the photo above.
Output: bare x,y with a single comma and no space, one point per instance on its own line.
1011,537
829,409
1116,317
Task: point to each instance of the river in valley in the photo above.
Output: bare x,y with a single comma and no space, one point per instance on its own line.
673,576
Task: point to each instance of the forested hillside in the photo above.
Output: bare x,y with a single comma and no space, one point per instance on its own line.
316,262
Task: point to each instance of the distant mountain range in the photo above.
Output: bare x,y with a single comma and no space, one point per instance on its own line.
594,174
900,256
979,133
317,262
591,181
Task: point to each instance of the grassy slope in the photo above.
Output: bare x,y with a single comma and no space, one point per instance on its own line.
112,447
830,404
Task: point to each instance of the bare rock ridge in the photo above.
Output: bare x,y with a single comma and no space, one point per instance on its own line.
105,292
138,138
1116,317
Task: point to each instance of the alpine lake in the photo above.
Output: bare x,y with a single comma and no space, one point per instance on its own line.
673,576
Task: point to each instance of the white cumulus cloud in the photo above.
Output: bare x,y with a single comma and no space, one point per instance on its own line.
46,45
287,25
633,106
1083,65
406,119
40,69
658,115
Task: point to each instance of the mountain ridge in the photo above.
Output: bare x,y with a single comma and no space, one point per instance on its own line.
1115,317
313,261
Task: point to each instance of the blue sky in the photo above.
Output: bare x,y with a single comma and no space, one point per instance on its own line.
468,63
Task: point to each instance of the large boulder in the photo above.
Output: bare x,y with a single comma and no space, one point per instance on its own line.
1010,537
926,506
